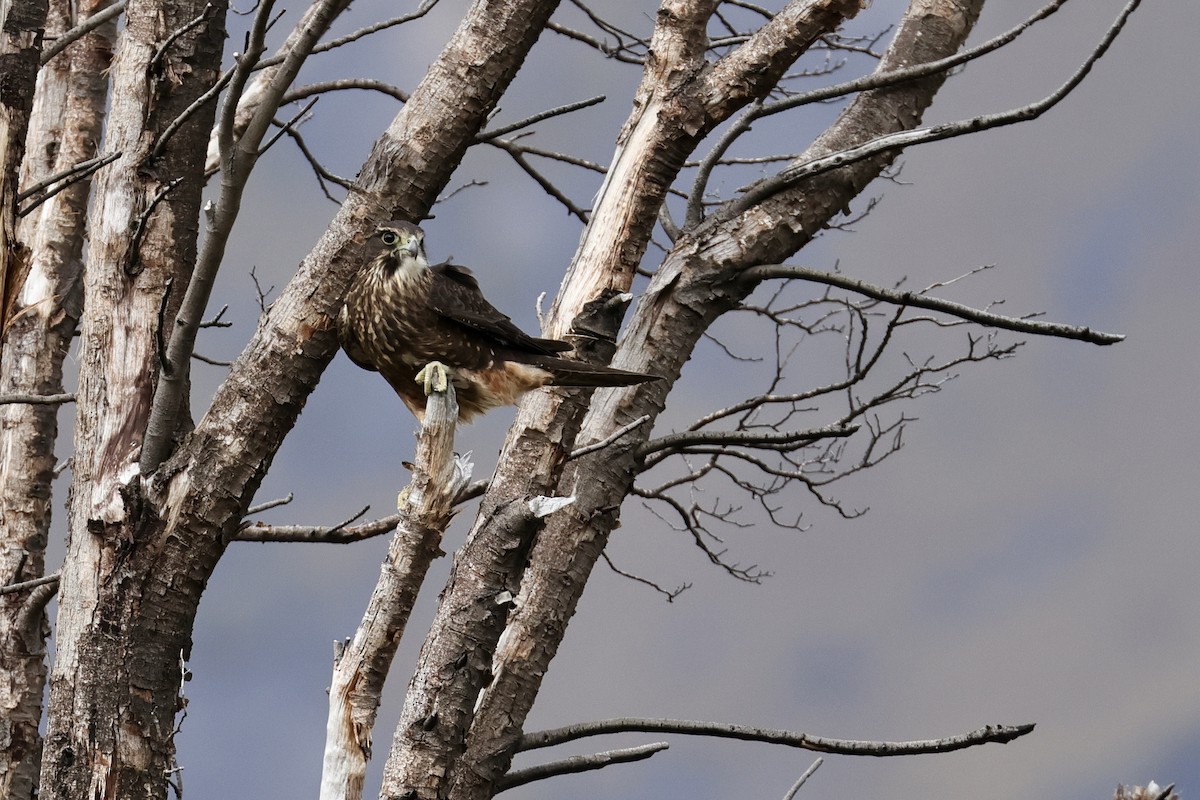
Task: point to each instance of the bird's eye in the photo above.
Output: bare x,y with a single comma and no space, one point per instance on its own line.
389,238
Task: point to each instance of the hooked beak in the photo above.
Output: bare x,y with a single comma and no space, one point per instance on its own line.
413,247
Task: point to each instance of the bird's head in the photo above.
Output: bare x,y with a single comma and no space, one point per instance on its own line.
400,247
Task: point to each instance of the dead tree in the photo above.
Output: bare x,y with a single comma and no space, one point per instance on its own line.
156,497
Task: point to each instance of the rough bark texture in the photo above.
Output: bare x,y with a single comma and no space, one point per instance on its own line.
361,668
21,26
141,551
64,130
112,705
677,104
696,283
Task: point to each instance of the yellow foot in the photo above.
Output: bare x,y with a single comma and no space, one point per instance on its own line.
435,377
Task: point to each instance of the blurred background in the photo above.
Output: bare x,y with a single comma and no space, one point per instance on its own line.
1031,554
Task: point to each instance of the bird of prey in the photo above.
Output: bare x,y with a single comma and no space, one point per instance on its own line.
415,324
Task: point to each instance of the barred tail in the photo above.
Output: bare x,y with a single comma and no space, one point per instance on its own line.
567,372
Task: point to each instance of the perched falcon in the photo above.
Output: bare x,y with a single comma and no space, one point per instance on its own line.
403,315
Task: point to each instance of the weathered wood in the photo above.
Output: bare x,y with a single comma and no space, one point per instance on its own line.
361,666
696,283
122,629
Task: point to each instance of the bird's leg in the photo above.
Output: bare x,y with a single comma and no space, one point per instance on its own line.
435,377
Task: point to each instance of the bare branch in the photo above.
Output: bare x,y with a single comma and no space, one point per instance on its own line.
197,104
803,779
216,321
670,594
139,230
425,508
921,300
797,173
338,534
607,440
276,503
318,168
29,584
344,84
81,30
213,362
767,440
877,80
574,764
37,399
237,162
423,9
999,734
888,78
68,176
540,179
487,136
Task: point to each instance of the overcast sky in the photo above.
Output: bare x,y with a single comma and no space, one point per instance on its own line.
1031,555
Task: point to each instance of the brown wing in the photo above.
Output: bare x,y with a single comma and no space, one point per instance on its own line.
454,293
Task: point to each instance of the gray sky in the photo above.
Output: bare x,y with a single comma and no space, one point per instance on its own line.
1030,556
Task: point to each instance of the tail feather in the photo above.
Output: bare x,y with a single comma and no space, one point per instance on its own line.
568,372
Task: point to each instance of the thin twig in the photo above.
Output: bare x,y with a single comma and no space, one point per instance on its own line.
540,179
803,779
186,114
324,47
75,173
216,362
289,126
276,503
574,764
797,173
487,136
918,300
668,593
607,440
139,230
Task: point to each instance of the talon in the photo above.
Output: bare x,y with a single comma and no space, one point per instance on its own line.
435,377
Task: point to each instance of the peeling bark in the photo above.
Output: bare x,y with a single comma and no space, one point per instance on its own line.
112,704
361,666
697,282
64,130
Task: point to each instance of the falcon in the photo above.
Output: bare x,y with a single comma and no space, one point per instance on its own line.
420,325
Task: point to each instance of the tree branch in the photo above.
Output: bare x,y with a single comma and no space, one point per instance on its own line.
989,734
425,509
82,29
766,440
487,136
337,534
237,161
37,399
574,764
894,142
921,300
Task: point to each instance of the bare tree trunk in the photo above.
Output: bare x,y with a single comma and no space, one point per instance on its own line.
22,534
465,751
64,130
121,634
21,24
141,548
671,115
